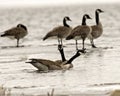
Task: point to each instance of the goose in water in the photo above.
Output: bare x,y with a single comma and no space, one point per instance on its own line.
97,29
60,32
81,31
17,32
47,65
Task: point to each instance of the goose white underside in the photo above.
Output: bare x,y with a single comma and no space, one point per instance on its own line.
11,37
77,37
53,37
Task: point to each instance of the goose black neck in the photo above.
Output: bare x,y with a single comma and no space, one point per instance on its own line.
62,54
64,23
97,17
73,58
84,21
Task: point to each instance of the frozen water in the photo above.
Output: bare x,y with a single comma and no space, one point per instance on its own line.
95,73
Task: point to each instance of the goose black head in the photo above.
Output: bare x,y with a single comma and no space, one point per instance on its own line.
81,51
99,11
67,18
22,26
86,16
60,47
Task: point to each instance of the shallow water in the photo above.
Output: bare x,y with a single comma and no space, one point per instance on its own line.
95,73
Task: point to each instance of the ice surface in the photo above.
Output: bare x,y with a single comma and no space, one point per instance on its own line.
95,73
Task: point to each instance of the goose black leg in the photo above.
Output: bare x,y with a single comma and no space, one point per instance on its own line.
76,44
17,43
92,44
83,43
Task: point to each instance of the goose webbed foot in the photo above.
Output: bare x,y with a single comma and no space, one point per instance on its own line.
93,46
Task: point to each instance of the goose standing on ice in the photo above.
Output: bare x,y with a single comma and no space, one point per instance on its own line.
17,32
60,32
81,31
97,29
47,65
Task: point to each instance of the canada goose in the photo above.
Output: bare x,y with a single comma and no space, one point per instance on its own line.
17,32
97,29
81,31
60,32
46,65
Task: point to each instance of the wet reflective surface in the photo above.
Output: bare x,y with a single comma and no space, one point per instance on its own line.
95,73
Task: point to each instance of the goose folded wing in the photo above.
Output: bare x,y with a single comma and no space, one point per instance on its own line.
50,64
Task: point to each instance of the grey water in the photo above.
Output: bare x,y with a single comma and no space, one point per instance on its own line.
95,73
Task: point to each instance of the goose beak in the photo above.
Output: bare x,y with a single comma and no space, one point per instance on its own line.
102,11
90,18
70,20
28,62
